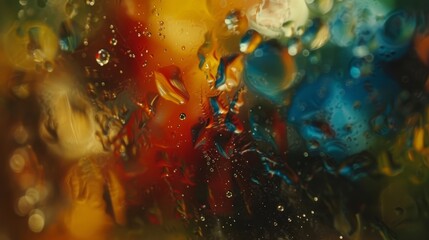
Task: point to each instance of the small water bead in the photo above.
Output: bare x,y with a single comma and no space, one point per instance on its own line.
229,194
280,208
102,57
90,2
182,116
113,41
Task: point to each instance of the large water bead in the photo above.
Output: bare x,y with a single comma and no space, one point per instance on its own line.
268,70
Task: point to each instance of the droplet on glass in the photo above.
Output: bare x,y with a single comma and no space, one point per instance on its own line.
102,57
280,208
182,116
229,194
170,84
113,41
90,2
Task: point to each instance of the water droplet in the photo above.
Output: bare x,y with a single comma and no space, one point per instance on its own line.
229,194
102,57
36,221
202,218
182,116
280,208
275,224
113,41
183,48
90,2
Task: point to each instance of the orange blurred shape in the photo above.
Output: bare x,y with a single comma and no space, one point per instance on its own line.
170,84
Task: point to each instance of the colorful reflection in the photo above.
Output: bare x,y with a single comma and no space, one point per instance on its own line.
244,119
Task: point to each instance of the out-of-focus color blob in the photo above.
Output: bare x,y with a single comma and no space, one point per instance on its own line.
229,72
170,84
320,6
353,23
67,123
316,35
29,44
278,18
339,118
250,41
36,221
395,35
70,37
236,21
401,210
269,70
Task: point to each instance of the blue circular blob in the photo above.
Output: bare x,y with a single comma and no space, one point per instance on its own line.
339,117
264,70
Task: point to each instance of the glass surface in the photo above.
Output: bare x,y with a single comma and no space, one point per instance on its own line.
214,119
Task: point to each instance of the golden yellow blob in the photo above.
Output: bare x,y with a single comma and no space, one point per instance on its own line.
29,44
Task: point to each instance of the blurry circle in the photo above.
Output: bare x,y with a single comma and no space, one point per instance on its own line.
36,221
18,160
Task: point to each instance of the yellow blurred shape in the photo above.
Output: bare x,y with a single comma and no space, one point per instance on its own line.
418,141
30,43
170,85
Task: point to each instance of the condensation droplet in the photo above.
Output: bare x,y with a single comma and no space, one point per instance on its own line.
36,221
280,208
90,2
182,116
102,57
229,194
113,41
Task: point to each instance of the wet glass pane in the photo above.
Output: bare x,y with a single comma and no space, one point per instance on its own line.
214,119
